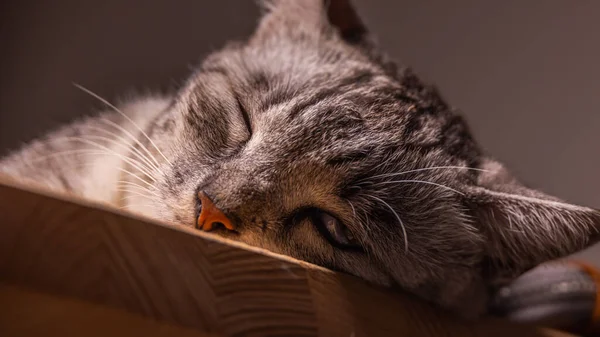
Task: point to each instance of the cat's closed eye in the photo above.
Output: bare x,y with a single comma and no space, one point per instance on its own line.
245,115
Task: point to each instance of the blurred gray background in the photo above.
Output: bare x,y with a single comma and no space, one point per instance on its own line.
525,73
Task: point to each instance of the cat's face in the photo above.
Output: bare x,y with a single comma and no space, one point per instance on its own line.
316,147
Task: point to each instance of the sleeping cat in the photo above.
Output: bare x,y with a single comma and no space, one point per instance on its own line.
308,141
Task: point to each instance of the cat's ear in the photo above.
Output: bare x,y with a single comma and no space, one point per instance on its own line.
524,227
343,18
316,16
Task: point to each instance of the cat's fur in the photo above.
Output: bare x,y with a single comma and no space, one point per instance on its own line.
334,125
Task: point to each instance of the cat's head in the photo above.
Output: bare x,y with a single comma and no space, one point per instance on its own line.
316,146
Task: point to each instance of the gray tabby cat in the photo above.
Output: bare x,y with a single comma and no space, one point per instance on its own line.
314,145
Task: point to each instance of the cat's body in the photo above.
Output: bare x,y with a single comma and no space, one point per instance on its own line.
315,146
87,157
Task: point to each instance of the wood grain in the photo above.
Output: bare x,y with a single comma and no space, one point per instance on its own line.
185,278
25,313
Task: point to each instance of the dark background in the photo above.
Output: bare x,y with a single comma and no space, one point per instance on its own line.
525,73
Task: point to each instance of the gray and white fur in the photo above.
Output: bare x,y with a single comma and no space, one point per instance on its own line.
307,117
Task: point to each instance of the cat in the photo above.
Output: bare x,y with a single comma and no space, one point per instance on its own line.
309,142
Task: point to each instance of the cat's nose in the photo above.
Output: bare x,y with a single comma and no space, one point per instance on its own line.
210,215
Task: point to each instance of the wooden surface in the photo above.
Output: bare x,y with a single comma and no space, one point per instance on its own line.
97,265
27,313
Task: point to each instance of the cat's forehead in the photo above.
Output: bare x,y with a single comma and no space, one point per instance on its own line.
328,99
305,78
297,64
302,80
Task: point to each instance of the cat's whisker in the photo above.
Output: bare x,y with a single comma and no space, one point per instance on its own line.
91,93
110,151
133,175
397,217
65,153
387,175
125,182
122,187
145,158
358,219
128,207
380,165
131,136
85,151
418,182
126,188
132,190
134,194
117,143
127,204
353,209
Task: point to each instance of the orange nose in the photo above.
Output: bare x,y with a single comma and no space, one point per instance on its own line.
210,215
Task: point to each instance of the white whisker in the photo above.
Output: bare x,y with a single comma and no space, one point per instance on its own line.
115,142
110,151
131,136
128,188
129,206
126,172
397,217
89,92
129,146
134,175
93,152
353,209
125,182
132,194
150,189
65,153
358,220
86,151
427,169
419,182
